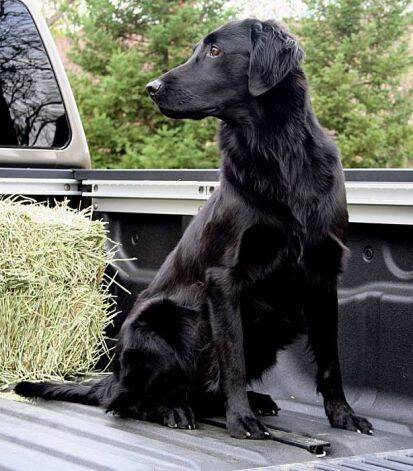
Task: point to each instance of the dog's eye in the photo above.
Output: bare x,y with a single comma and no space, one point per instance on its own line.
214,51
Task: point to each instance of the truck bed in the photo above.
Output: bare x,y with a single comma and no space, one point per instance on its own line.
51,435
147,212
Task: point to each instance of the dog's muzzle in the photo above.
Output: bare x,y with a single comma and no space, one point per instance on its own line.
153,87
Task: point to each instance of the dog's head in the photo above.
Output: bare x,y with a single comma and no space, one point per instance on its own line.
231,66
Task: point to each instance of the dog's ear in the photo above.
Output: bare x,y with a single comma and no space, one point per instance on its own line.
274,53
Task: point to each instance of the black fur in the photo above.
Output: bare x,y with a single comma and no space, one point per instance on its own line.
256,268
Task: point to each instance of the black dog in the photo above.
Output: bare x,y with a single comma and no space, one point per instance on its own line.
256,267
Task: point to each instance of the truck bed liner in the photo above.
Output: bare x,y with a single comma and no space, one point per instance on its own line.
52,435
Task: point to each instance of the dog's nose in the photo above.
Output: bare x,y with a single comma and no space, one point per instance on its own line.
153,87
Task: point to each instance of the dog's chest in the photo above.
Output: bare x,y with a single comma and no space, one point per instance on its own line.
265,250
270,261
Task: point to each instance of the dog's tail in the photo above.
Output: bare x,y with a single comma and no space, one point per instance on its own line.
92,393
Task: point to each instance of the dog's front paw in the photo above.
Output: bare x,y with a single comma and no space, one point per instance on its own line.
246,426
341,415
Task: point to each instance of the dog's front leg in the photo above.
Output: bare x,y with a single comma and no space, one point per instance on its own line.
226,327
321,311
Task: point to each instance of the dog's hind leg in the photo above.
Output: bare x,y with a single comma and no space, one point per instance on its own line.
262,404
154,365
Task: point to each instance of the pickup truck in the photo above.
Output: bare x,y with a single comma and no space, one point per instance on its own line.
44,155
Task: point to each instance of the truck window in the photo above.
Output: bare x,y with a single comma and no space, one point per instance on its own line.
32,113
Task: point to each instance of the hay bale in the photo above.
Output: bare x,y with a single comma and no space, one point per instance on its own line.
54,302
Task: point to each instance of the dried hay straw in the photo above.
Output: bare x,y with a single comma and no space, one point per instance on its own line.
54,298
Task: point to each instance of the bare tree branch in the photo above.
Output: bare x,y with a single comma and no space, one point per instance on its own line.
58,15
